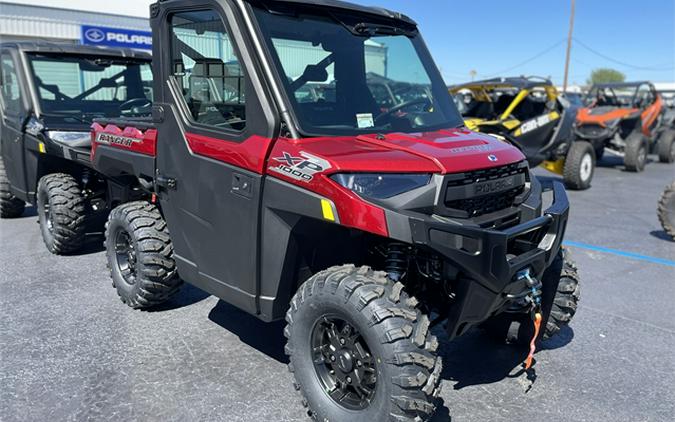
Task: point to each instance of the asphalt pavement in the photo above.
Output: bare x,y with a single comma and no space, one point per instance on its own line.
71,351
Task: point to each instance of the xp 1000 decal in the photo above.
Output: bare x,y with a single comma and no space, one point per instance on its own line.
301,168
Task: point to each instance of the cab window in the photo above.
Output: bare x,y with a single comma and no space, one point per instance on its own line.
11,91
207,70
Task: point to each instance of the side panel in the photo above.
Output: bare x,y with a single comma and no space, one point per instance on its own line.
651,115
214,227
533,135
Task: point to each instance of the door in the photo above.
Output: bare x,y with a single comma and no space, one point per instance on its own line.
13,118
212,144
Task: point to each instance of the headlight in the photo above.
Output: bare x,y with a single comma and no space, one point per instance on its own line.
381,186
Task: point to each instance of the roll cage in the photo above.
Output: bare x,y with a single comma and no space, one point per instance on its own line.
608,94
496,101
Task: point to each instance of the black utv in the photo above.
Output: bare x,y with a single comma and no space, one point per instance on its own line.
50,95
530,113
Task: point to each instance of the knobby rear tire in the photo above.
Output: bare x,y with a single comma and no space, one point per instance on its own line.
635,154
61,213
666,210
155,278
10,205
666,146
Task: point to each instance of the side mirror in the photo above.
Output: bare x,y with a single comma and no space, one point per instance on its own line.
314,73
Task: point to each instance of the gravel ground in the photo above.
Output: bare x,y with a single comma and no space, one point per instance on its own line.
69,349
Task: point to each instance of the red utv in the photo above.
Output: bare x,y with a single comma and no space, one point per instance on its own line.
361,222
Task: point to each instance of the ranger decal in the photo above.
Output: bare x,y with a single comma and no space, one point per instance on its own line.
110,139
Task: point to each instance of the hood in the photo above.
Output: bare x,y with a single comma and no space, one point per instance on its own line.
602,115
446,151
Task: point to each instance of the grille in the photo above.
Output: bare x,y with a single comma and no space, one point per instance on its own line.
486,204
461,196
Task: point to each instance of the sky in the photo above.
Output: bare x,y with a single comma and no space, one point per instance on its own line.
523,37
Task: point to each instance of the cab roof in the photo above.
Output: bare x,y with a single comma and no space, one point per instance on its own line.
51,47
519,82
337,5
343,5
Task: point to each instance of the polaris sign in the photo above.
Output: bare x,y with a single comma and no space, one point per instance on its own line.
114,37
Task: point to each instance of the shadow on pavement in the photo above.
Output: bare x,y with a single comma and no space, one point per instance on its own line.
93,243
29,212
186,296
267,338
476,359
616,162
442,412
660,234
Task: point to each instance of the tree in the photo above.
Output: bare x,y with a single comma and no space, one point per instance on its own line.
605,75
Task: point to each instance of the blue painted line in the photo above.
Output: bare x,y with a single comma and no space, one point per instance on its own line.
617,252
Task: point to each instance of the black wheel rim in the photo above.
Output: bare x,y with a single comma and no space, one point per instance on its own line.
672,151
125,256
343,363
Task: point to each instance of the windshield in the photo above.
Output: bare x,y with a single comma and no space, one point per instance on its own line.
88,87
612,96
344,75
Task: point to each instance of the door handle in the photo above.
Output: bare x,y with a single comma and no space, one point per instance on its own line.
242,185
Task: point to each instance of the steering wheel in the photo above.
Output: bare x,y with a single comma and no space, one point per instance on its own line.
403,106
134,105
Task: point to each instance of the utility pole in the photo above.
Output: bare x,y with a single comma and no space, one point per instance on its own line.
569,47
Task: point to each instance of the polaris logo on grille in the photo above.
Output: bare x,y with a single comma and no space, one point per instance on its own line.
494,186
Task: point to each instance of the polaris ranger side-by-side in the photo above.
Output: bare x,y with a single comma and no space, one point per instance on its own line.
362,225
50,94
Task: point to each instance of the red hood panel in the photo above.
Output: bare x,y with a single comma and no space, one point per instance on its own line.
448,151
308,163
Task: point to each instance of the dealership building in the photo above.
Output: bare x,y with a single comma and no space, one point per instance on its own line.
20,22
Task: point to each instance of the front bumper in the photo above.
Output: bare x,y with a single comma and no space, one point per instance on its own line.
594,133
489,259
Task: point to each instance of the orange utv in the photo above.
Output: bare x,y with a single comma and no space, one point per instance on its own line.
627,118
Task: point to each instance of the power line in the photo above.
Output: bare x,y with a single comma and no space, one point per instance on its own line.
597,53
531,59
